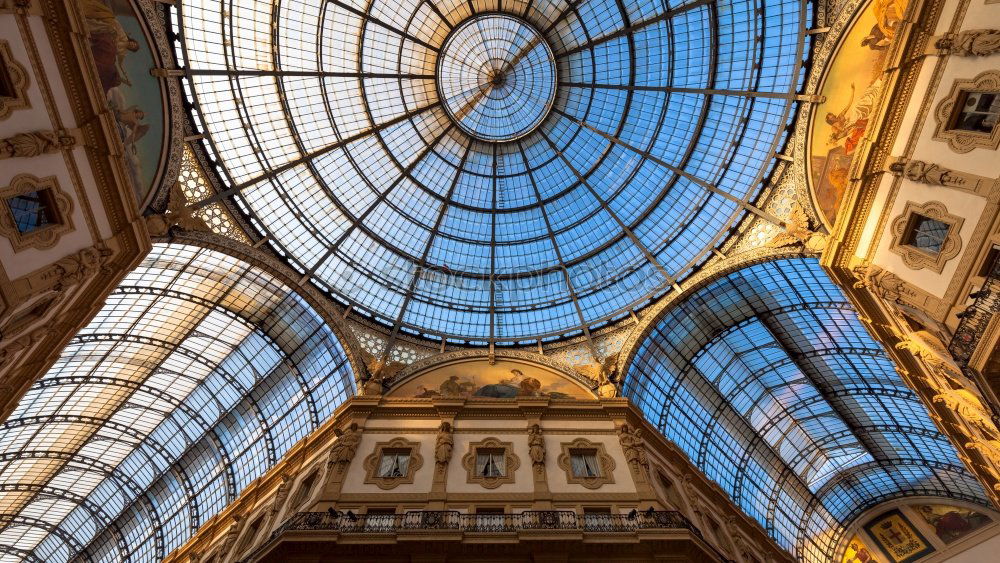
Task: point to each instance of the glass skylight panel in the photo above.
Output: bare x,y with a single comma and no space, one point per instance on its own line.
231,369
364,119
769,367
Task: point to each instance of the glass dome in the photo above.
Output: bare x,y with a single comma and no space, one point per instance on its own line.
493,171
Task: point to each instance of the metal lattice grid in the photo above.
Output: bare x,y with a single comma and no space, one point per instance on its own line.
196,376
327,124
770,383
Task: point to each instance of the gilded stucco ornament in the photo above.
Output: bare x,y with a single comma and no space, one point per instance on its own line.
604,376
798,230
177,214
931,174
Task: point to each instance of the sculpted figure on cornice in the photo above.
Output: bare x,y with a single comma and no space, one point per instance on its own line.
536,446
345,447
971,42
282,493
633,445
930,173
444,447
24,145
880,282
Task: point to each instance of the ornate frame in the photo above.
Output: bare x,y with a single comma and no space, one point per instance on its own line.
46,236
916,258
964,141
19,80
511,463
371,464
606,462
294,499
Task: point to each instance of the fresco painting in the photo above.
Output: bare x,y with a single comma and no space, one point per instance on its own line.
858,552
501,380
123,58
952,522
852,88
897,537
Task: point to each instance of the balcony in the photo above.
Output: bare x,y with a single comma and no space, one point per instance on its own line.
454,526
976,318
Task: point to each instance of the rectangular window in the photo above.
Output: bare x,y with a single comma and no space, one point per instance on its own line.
6,82
394,463
32,210
584,463
926,234
490,463
977,112
991,260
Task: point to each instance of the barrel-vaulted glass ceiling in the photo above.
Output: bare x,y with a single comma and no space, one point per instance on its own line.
492,170
770,383
196,376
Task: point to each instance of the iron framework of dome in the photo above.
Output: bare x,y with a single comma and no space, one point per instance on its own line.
492,171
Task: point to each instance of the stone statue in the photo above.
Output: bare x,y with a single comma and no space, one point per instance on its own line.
346,446
445,445
632,444
35,143
536,445
282,493
929,173
971,42
881,283
77,267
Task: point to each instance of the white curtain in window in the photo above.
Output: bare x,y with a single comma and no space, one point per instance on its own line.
491,464
394,465
584,465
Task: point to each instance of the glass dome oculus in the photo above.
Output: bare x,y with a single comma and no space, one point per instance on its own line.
496,77
492,171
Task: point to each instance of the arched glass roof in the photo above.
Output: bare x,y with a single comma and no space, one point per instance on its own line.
768,381
196,376
585,156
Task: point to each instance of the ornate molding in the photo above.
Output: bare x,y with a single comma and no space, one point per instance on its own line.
959,140
371,464
18,82
605,462
511,463
914,257
42,237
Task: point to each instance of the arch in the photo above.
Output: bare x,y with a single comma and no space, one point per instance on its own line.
767,379
196,376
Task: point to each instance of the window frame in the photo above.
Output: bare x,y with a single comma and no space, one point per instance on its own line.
918,258
372,463
605,463
494,446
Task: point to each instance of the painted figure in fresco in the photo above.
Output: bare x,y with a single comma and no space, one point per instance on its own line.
108,42
860,555
952,522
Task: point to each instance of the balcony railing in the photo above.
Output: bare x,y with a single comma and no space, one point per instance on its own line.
445,520
973,324
377,523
